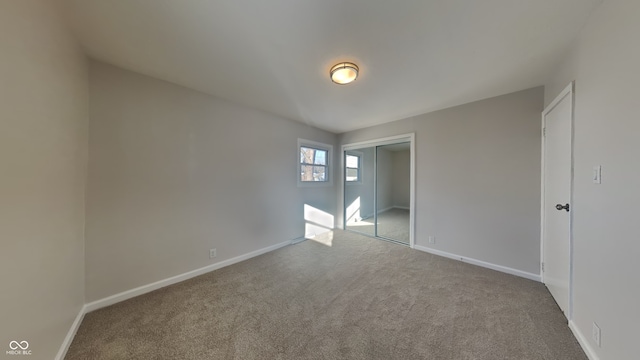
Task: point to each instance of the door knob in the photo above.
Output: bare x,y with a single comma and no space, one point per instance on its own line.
560,207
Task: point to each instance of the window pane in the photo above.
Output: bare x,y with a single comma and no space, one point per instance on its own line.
319,173
352,174
306,155
306,173
352,161
321,157
313,156
313,173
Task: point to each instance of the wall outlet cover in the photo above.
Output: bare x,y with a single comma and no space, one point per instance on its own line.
597,174
595,334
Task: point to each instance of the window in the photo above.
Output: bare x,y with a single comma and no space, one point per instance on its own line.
352,167
314,162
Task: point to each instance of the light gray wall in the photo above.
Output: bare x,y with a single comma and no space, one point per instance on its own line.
174,172
384,185
604,63
401,181
43,148
478,177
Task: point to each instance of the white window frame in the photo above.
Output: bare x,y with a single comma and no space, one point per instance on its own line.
360,156
328,172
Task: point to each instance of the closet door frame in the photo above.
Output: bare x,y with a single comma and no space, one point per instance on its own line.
410,138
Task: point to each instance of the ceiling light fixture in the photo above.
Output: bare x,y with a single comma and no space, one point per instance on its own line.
344,73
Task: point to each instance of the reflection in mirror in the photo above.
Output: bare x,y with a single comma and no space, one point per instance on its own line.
359,191
393,171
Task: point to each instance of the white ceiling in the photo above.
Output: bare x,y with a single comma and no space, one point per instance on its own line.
415,56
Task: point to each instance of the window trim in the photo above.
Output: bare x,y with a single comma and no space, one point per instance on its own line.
360,156
328,167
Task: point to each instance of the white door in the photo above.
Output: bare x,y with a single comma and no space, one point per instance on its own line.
557,178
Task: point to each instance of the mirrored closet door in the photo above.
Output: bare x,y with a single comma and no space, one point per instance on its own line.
359,190
377,190
392,192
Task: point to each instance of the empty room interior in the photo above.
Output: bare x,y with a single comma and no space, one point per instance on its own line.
312,179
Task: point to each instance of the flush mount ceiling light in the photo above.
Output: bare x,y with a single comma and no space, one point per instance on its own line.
344,73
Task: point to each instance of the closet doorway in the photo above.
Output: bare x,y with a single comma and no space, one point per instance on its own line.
378,188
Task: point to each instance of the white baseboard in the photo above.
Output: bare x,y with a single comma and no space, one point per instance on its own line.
584,343
402,207
298,240
71,334
481,263
125,295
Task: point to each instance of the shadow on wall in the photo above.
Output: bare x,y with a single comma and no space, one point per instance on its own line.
318,225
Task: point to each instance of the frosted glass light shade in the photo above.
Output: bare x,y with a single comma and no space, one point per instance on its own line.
344,73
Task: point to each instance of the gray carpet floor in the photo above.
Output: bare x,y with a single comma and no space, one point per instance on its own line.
358,298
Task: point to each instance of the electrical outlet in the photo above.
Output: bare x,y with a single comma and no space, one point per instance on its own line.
595,334
597,174
212,253
432,239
